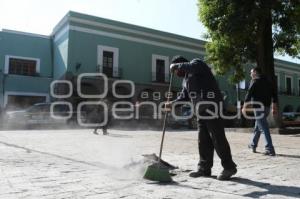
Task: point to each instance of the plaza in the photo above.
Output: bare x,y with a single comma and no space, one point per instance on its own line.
78,164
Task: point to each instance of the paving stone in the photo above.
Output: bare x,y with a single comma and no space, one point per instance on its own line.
77,164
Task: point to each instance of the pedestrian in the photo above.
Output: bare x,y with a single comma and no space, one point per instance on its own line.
261,90
199,82
96,115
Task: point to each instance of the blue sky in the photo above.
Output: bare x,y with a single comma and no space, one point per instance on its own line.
40,16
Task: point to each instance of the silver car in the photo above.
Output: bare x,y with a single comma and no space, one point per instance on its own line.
40,115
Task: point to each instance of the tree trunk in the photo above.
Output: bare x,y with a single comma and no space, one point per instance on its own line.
265,57
265,50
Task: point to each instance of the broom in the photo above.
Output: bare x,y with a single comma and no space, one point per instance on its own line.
158,171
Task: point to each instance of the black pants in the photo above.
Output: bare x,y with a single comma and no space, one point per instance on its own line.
104,127
212,136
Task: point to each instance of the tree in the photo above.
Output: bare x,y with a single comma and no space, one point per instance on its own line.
243,31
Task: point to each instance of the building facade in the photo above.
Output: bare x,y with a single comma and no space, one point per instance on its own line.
87,44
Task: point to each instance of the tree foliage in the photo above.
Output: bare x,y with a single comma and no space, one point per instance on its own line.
238,33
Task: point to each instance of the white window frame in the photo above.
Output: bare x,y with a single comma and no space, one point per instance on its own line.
100,49
15,93
292,85
161,57
8,57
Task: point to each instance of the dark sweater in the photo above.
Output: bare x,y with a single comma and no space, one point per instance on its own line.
200,81
262,90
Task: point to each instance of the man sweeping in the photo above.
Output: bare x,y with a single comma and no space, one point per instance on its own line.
200,83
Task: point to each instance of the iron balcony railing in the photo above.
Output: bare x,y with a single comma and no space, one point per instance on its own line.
292,92
110,72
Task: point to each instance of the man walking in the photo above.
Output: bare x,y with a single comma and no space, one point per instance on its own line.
261,90
96,115
201,83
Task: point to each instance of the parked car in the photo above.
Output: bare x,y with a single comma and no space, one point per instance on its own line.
291,119
39,115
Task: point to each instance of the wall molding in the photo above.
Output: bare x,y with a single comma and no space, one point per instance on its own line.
26,33
134,39
137,32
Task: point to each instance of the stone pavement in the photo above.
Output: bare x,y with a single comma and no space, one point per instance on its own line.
79,164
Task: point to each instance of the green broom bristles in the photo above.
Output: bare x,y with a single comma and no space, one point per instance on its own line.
158,172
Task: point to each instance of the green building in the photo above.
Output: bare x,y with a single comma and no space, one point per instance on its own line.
82,43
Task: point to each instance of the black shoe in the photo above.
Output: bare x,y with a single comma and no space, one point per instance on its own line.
226,174
270,153
95,132
252,148
105,132
200,173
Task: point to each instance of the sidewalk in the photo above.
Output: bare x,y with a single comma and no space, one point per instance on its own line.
79,164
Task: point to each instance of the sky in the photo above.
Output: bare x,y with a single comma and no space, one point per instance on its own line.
40,16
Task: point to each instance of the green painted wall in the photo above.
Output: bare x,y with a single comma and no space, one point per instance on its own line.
27,46
27,84
135,59
130,26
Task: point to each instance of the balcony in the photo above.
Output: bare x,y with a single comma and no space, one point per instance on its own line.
293,92
110,72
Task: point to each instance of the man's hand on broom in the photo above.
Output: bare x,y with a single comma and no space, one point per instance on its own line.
167,106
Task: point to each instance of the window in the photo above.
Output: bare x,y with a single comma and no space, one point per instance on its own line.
108,61
108,58
288,85
160,68
21,65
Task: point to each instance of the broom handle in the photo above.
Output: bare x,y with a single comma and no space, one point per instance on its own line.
165,119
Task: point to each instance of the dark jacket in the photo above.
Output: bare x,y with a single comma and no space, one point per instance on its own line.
262,90
199,80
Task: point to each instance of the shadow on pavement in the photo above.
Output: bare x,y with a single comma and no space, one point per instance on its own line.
118,135
279,190
173,183
288,191
283,155
28,150
288,156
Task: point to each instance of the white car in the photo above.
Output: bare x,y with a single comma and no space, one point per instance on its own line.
39,115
